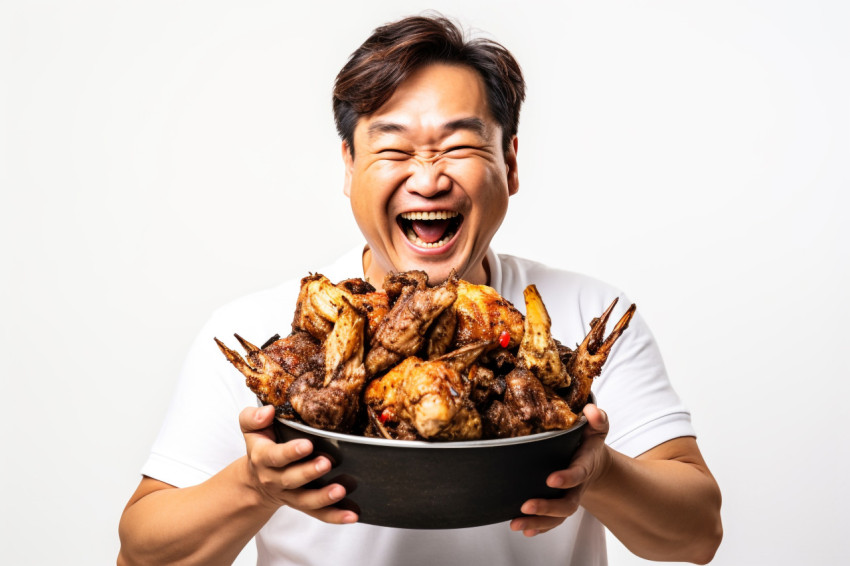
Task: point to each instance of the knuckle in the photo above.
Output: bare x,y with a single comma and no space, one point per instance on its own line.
255,458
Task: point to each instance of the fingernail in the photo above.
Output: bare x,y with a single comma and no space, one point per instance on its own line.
323,465
555,481
529,509
337,492
349,518
518,526
302,447
531,532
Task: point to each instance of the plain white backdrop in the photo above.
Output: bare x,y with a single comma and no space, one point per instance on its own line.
158,159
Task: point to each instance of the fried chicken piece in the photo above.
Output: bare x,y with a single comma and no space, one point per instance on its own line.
538,351
483,314
498,421
402,331
263,375
388,426
586,361
441,334
528,407
298,353
432,396
318,306
396,283
320,302
485,385
373,304
330,400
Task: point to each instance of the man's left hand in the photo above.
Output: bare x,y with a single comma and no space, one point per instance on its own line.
590,463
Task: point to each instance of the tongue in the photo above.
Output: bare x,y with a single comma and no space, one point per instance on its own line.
430,231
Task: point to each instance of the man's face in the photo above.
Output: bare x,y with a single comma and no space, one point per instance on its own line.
429,182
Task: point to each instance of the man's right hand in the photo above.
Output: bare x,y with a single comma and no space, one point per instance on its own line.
279,472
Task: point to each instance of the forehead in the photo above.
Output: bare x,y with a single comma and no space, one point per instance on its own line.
428,100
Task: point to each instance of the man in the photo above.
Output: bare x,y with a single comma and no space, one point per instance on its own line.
429,126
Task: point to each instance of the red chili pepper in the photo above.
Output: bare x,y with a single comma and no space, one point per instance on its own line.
386,415
504,339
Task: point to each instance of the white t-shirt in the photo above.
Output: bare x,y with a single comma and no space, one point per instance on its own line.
201,435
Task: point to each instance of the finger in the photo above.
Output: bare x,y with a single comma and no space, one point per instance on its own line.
597,420
334,515
586,461
532,526
582,467
300,474
273,455
278,481
315,499
256,419
561,507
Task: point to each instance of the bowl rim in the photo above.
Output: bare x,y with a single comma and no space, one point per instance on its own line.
337,437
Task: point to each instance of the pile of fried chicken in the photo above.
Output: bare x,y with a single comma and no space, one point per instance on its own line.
454,361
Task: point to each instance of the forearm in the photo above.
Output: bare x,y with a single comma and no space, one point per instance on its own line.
205,524
661,509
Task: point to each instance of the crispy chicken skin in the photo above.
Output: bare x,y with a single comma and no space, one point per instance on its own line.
538,351
371,303
451,362
402,331
263,375
332,401
483,314
320,302
587,360
298,353
432,396
528,407
318,306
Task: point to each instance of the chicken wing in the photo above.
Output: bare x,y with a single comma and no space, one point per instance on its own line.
538,351
432,396
528,407
483,314
263,375
585,363
331,399
401,333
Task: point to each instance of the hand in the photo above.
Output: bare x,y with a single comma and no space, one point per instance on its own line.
589,463
278,472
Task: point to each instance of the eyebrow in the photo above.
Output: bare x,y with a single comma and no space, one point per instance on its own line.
475,125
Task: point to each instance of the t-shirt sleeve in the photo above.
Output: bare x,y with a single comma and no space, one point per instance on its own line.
200,434
635,390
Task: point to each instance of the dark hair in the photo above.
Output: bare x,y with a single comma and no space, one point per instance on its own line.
396,50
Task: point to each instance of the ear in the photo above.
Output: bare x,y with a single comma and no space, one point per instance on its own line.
510,163
348,161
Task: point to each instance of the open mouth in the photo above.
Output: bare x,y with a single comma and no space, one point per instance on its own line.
430,229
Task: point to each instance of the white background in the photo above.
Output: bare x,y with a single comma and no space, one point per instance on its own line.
158,159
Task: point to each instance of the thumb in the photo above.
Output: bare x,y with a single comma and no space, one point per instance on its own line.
597,420
256,419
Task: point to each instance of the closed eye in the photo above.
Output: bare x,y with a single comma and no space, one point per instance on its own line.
458,149
392,153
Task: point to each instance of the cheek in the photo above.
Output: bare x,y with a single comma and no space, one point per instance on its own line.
370,195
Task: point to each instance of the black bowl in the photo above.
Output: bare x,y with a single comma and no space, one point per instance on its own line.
439,485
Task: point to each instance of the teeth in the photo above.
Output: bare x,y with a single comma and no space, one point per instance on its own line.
438,215
411,235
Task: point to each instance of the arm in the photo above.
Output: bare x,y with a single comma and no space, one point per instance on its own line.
662,505
211,522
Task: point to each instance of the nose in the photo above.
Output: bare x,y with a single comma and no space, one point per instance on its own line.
427,179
